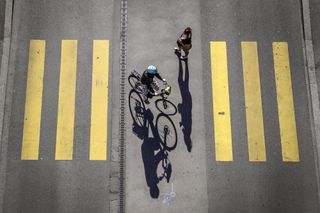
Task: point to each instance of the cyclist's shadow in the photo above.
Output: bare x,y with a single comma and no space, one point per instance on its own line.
152,152
185,108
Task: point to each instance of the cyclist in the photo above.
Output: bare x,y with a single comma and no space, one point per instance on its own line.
149,82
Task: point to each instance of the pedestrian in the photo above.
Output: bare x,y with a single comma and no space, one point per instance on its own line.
184,43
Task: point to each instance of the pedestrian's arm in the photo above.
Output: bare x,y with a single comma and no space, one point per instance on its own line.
180,39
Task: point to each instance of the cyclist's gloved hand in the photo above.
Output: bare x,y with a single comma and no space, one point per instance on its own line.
164,81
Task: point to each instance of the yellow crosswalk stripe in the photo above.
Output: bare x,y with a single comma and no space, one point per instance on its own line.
254,115
66,105
287,121
99,104
33,104
221,104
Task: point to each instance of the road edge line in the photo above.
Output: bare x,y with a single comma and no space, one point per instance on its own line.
4,70
313,87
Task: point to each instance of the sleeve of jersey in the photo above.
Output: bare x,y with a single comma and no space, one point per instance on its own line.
158,76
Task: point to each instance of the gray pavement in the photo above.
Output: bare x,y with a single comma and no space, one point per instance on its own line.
263,187
311,51
2,16
152,33
314,18
47,185
5,52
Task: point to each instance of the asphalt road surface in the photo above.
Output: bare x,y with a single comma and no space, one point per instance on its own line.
49,180
240,141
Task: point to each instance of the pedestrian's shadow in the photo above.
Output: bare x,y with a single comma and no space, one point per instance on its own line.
185,107
154,155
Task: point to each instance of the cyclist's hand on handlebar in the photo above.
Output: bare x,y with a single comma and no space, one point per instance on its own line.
164,81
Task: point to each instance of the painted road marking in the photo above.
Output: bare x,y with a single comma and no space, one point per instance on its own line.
33,104
253,103
66,106
287,121
99,107
221,104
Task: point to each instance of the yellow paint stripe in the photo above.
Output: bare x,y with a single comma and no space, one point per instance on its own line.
254,115
287,121
66,107
33,105
221,105
99,104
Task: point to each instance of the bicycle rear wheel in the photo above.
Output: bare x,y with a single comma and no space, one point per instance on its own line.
134,83
166,107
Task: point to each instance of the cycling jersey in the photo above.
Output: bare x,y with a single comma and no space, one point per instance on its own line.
147,79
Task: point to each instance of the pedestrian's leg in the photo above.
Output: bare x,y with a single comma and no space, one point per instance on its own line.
186,53
178,48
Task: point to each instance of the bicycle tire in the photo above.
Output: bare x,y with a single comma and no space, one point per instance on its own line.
167,132
132,79
171,109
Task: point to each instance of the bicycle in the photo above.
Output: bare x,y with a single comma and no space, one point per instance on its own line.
162,104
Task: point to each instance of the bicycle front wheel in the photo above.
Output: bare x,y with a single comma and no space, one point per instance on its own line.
166,107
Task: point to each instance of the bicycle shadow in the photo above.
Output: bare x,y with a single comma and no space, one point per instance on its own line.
153,153
185,107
